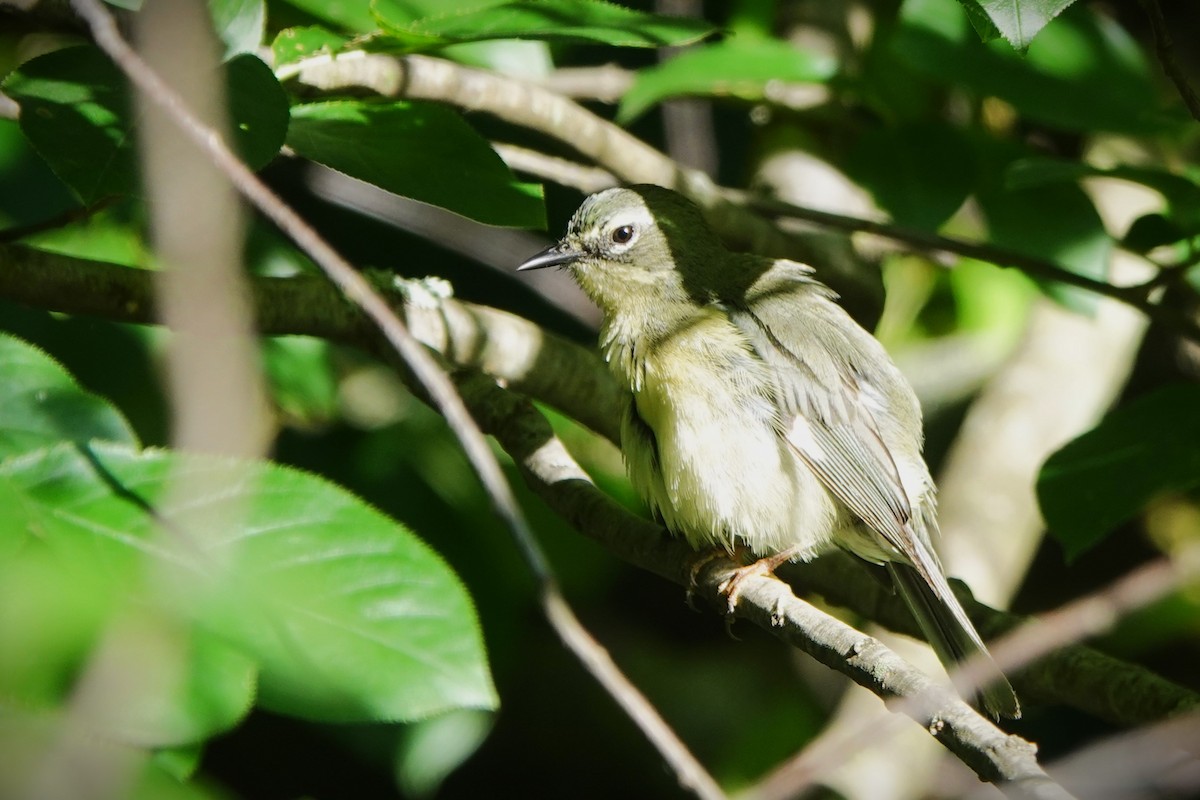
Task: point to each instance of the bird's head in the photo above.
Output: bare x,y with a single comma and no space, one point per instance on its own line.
636,245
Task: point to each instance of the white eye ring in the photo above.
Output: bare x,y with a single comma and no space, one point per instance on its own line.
623,234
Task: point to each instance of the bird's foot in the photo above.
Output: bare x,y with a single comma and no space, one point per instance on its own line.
731,587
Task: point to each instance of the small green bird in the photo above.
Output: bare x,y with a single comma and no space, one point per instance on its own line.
759,413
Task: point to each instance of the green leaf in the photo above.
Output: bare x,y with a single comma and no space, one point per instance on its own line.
239,24
919,173
297,44
431,749
550,20
40,404
1151,231
354,16
1017,220
301,378
1017,20
732,68
347,615
75,110
1083,72
419,150
1107,475
108,235
1181,193
258,110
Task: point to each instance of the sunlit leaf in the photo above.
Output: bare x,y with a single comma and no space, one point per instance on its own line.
552,20
732,68
346,614
76,111
296,44
1018,21
419,150
1107,475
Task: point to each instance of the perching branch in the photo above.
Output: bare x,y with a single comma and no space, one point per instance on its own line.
572,379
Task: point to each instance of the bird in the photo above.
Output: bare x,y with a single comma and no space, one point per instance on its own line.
758,415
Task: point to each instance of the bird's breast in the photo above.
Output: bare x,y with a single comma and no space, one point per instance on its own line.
702,444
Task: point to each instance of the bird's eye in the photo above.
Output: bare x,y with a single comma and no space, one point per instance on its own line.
623,234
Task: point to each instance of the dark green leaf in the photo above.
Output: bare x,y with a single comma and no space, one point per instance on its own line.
1150,231
1056,222
40,404
418,150
920,174
732,68
239,24
296,44
1018,21
75,109
1108,474
258,110
980,21
1082,73
347,615
301,377
552,20
1181,193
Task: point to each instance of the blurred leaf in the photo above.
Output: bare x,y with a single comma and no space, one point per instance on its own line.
40,404
108,235
1180,192
1017,20
75,109
419,150
1083,73
1077,240
551,20
1108,474
920,173
348,616
1150,231
732,68
296,44
431,749
301,377
355,16
46,749
240,24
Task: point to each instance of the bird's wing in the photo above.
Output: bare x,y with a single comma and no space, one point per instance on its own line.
831,409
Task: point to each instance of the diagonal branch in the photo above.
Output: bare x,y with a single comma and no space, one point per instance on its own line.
572,379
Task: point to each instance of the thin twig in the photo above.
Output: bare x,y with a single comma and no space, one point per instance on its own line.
441,390
1137,296
1165,51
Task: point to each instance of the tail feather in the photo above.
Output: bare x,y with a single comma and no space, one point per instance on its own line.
952,636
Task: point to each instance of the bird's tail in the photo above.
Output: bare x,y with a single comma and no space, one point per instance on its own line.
952,636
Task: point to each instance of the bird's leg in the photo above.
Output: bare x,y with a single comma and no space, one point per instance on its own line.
731,587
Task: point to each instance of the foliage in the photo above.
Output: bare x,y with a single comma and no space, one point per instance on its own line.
355,576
